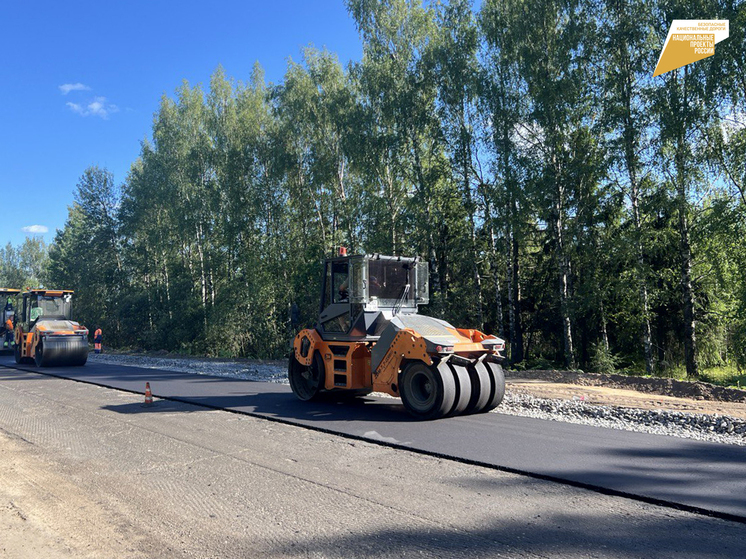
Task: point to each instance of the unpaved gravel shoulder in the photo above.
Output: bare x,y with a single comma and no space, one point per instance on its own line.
624,397
697,391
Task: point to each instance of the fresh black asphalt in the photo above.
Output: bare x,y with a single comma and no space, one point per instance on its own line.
699,476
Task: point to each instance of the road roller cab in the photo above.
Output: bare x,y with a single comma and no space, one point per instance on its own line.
369,337
45,332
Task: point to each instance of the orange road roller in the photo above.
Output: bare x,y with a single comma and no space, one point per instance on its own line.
45,332
370,338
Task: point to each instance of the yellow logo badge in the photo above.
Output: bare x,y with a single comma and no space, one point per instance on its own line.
690,40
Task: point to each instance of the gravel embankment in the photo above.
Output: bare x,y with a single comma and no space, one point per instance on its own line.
714,428
249,369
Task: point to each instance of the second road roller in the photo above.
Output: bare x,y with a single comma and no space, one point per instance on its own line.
45,332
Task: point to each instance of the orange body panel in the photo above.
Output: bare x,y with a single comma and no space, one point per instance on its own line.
27,340
350,370
407,344
347,365
315,340
474,335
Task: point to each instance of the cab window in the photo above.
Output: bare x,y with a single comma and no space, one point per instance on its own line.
36,310
340,282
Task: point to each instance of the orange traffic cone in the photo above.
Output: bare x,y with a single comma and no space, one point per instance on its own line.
148,395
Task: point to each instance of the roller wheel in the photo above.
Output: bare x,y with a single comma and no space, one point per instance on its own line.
39,355
498,385
306,382
481,388
427,392
80,361
17,354
463,389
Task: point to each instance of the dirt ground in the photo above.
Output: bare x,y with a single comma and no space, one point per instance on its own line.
44,514
631,392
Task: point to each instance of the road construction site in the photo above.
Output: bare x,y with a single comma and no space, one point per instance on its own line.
229,467
658,406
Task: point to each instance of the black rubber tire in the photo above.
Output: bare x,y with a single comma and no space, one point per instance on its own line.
39,355
481,388
497,376
463,389
17,354
425,392
306,382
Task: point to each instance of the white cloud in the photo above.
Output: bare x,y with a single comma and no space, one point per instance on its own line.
66,88
97,107
35,229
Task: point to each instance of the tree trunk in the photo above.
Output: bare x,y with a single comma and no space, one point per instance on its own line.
690,339
514,286
471,210
604,331
685,250
563,279
425,192
496,271
202,274
631,162
168,286
641,280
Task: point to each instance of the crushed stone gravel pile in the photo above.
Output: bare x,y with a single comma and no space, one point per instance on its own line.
714,428
249,370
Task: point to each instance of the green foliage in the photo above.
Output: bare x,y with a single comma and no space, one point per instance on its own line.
732,377
602,360
524,150
86,254
26,265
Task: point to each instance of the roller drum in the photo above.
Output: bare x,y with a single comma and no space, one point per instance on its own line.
61,351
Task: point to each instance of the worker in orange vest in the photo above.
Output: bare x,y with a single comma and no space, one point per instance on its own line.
8,323
8,332
98,337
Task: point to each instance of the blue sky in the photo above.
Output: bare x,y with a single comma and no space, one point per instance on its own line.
80,81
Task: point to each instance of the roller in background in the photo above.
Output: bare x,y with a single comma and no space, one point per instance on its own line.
45,332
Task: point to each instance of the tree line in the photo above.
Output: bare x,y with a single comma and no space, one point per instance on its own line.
588,213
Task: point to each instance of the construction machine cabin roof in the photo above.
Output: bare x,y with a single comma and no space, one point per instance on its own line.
48,292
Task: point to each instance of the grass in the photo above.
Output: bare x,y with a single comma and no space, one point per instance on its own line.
728,376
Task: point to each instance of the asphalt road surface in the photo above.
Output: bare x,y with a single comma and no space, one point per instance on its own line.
88,472
696,476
